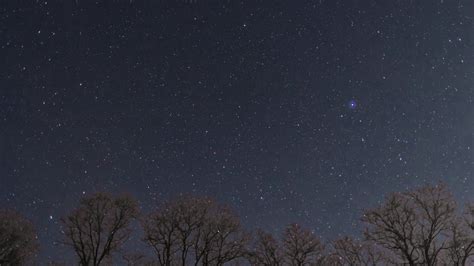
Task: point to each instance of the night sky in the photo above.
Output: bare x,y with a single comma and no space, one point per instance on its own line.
289,111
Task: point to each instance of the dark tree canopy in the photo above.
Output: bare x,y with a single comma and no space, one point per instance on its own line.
99,226
301,246
267,250
18,240
297,246
194,230
352,252
413,224
415,227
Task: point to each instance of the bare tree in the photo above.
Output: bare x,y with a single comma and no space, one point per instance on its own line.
354,252
461,239
412,224
18,240
160,233
99,226
171,229
267,251
460,245
301,247
221,239
194,230
137,258
190,215
297,247
333,260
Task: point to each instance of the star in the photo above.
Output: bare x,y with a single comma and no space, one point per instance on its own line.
352,104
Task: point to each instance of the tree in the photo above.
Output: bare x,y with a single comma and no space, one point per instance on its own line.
137,258
301,247
412,224
221,239
297,247
353,252
18,240
194,230
461,238
460,244
99,226
267,251
170,229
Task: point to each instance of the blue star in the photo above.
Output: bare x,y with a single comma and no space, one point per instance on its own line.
352,104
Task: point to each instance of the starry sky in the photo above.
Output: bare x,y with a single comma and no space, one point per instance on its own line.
289,111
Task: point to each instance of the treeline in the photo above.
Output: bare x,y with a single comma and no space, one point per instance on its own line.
417,227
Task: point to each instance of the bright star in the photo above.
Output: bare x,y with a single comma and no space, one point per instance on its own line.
352,104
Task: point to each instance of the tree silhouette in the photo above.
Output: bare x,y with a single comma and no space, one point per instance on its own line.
267,250
99,226
136,258
417,227
18,240
193,230
351,252
301,246
461,239
411,224
297,246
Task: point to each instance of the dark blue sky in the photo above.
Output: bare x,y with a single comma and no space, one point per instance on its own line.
290,111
